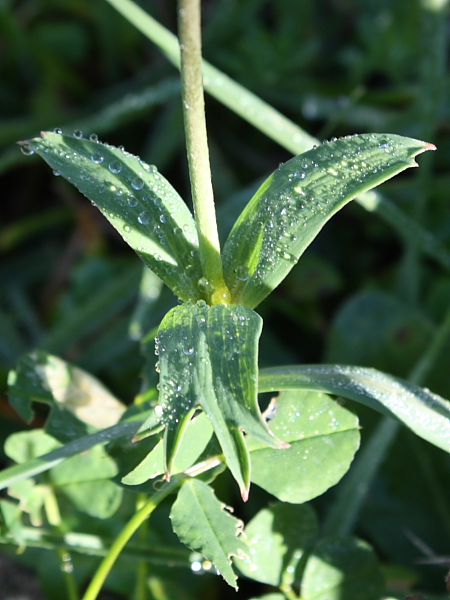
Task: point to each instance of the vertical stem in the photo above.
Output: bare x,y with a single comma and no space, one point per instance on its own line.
197,148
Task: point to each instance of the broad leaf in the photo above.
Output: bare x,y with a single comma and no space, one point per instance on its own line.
77,399
425,413
208,358
278,537
295,202
200,521
323,436
137,200
342,569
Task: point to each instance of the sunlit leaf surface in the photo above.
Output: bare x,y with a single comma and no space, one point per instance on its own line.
137,200
200,521
323,438
425,413
295,202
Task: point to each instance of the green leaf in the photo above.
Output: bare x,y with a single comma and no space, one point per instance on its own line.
278,537
323,438
342,569
425,413
198,433
75,396
46,461
31,498
12,518
295,202
200,521
137,200
208,357
27,445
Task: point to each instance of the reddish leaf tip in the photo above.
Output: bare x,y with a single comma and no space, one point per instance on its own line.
244,494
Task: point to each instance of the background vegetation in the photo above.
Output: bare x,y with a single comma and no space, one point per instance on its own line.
361,294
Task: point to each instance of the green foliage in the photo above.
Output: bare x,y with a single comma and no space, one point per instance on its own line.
113,439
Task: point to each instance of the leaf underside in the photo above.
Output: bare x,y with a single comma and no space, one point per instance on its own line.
137,200
295,202
208,358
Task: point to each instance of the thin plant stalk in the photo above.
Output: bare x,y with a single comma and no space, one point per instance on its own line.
124,536
65,559
352,493
197,148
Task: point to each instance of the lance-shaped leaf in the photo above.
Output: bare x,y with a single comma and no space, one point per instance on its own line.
295,202
137,200
199,520
425,413
208,358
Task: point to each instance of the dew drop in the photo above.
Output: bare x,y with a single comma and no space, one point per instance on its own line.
203,284
78,133
190,271
162,218
56,173
242,273
27,150
93,137
137,183
384,146
144,218
115,166
188,351
132,201
178,231
57,130
97,158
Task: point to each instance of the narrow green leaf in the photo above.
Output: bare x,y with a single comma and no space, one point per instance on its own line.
50,459
425,413
200,521
137,200
278,537
295,202
208,358
323,438
342,569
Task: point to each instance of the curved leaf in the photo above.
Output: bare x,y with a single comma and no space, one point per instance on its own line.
200,521
295,202
137,200
425,413
208,358
323,438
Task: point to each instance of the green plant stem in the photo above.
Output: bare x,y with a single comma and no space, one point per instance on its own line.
65,559
342,517
124,536
197,148
141,592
